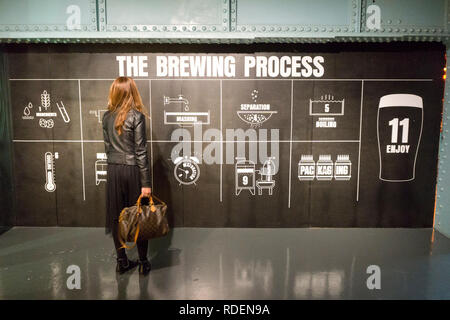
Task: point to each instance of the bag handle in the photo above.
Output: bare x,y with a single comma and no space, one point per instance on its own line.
152,203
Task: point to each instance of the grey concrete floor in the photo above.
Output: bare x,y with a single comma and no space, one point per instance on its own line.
200,263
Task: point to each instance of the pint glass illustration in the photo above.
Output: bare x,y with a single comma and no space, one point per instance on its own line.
399,129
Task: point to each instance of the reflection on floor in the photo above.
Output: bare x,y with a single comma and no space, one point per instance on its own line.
200,263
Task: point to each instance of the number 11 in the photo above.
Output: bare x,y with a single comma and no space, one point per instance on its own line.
405,130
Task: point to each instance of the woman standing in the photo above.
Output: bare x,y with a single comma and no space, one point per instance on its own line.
128,174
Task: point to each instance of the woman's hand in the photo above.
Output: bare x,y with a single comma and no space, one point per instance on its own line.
146,192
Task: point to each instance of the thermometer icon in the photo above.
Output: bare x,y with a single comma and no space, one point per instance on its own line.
50,184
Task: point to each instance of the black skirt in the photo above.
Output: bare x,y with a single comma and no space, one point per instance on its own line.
123,187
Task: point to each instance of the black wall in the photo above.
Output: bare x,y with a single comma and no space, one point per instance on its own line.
360,75
7,217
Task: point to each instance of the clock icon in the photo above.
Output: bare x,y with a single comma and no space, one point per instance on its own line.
186,170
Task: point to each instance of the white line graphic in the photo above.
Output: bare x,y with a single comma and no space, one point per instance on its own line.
290,144
184,118
98,114
221,145
266,182
63,111
306,168
400,101
44,112
45,100
186,170
82,143
27,112
234,79
245,172
44,123
244,176
359,144
343,168
101,166
326,106
324,168
255,114
50,183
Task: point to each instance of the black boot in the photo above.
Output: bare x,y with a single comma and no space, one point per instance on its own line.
144,267
124,265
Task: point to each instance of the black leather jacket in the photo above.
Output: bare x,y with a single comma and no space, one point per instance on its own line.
130,147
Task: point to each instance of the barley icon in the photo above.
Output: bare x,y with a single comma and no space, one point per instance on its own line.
45,100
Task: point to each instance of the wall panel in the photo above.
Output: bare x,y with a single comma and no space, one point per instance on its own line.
334,118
